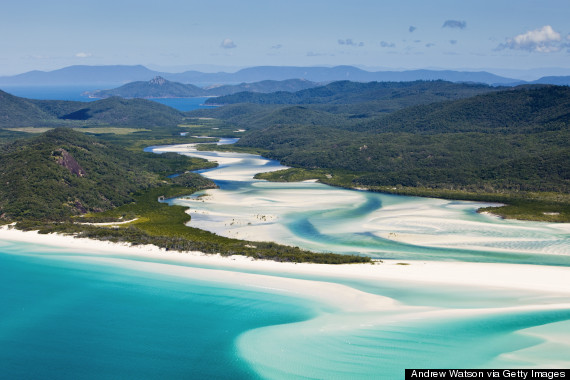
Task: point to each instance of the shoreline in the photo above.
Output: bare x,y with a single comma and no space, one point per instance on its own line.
343,311
522,277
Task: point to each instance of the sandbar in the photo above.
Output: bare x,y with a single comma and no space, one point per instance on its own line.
539,278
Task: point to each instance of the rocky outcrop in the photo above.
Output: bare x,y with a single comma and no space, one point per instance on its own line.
65,159
158,81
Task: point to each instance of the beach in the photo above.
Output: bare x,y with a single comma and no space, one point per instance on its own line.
540,278
364,312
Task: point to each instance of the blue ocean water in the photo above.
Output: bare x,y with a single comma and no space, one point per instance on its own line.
76,93
52,92
64,317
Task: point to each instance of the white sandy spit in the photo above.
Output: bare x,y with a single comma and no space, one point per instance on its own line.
261,214
549,279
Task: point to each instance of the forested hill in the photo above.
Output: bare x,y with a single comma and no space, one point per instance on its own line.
523,109
63,172
503,141
402,94
264,86
161,88
16,111
22,112
157,87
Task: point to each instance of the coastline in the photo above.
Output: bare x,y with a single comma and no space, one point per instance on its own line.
358,307
522,277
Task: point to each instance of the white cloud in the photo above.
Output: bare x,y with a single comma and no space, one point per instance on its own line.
228,44
542,40
83,55
454,24
350,42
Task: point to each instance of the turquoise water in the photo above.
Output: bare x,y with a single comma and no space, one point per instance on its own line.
323,218
67,314
77,315
71,316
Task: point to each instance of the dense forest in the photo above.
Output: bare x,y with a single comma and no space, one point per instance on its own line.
62,173
345,92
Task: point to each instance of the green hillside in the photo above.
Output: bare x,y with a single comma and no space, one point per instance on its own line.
16,111
158,87
21,112
473,142
51,179
125,112
62,173
264,86
509,146
523,109
389,95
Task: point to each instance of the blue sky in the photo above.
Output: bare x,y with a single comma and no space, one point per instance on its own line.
405,34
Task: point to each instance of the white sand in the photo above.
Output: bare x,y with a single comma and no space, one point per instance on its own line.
549,279
435,223
342,308
422,222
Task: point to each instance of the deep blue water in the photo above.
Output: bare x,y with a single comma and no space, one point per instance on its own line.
75,93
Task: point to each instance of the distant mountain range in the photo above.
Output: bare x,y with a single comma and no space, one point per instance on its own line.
159,87
119,75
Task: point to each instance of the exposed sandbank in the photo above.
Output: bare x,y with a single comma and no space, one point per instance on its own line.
550,279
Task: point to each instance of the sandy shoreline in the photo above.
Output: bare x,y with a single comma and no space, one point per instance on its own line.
343,309
258,211
540,278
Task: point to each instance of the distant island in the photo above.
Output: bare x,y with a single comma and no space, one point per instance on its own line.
159,87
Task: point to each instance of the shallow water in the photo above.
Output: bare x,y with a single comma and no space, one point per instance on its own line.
77,315
67,314
323,218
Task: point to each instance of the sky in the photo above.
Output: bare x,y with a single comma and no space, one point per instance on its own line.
225,35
